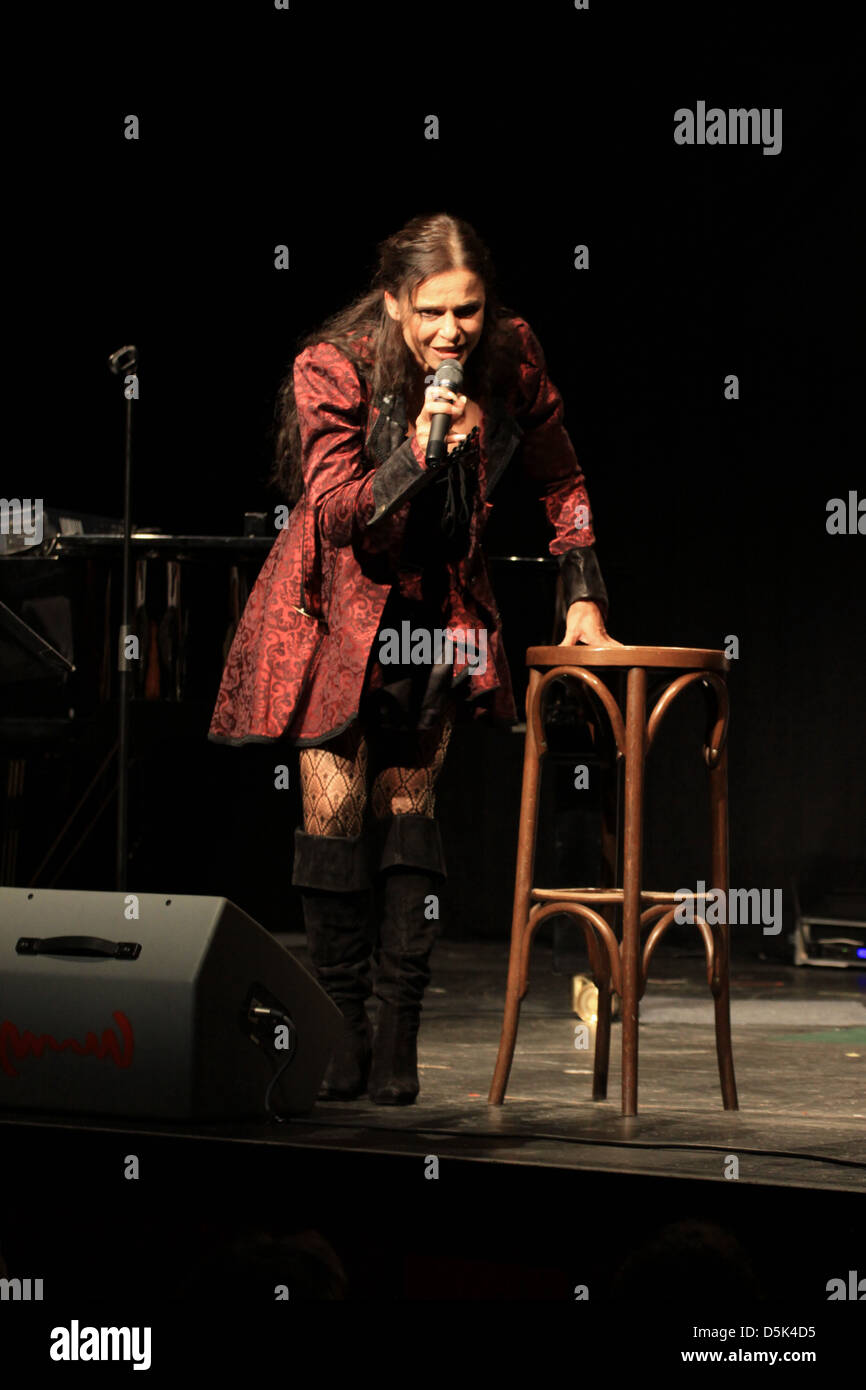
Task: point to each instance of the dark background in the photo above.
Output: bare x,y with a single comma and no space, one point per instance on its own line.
556,128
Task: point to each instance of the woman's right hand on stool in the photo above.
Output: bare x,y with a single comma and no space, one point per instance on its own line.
584,623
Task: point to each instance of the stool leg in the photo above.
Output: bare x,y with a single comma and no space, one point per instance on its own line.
602,1038
635,744
720,877
600,967
522,890
609,857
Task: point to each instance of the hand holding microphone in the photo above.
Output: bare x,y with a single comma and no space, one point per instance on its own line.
440,427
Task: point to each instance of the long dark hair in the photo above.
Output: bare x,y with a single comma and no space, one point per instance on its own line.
427,245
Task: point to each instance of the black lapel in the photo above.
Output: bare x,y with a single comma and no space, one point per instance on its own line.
389,430
503,435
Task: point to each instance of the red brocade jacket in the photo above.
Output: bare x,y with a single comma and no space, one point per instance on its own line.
298,663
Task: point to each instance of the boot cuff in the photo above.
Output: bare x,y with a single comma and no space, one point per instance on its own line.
336,862
415,842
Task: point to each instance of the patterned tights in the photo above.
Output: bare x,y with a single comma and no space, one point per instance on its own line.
404,768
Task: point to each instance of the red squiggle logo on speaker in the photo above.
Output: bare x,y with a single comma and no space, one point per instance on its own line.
20,1044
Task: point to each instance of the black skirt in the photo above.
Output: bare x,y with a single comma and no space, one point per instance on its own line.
405,696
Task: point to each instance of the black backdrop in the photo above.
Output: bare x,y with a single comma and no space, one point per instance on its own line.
306,127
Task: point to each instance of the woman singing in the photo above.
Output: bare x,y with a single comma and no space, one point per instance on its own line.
372,626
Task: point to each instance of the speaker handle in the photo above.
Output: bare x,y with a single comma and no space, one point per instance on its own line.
77,946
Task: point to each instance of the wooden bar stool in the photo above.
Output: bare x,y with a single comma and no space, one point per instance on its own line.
621,966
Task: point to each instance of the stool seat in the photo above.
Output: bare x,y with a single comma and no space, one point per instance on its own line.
621,966
650,658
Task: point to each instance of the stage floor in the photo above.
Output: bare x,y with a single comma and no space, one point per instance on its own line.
799,1041
507,1220
799,1037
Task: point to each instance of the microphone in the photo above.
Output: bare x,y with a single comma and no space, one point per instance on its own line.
124,360
449,374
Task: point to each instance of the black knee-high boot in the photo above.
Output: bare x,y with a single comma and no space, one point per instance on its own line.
333,874
411,869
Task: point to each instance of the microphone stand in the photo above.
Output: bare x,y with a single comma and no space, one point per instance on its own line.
122,363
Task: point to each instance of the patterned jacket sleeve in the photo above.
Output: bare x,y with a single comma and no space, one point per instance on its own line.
549,459
347,494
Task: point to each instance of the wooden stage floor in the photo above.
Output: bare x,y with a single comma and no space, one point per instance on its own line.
799,1052
546,1193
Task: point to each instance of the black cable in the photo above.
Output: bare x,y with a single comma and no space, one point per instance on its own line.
282,1018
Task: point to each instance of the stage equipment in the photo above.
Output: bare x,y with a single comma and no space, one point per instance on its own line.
149,1005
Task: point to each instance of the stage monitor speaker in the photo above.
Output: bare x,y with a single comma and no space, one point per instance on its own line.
154,1006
